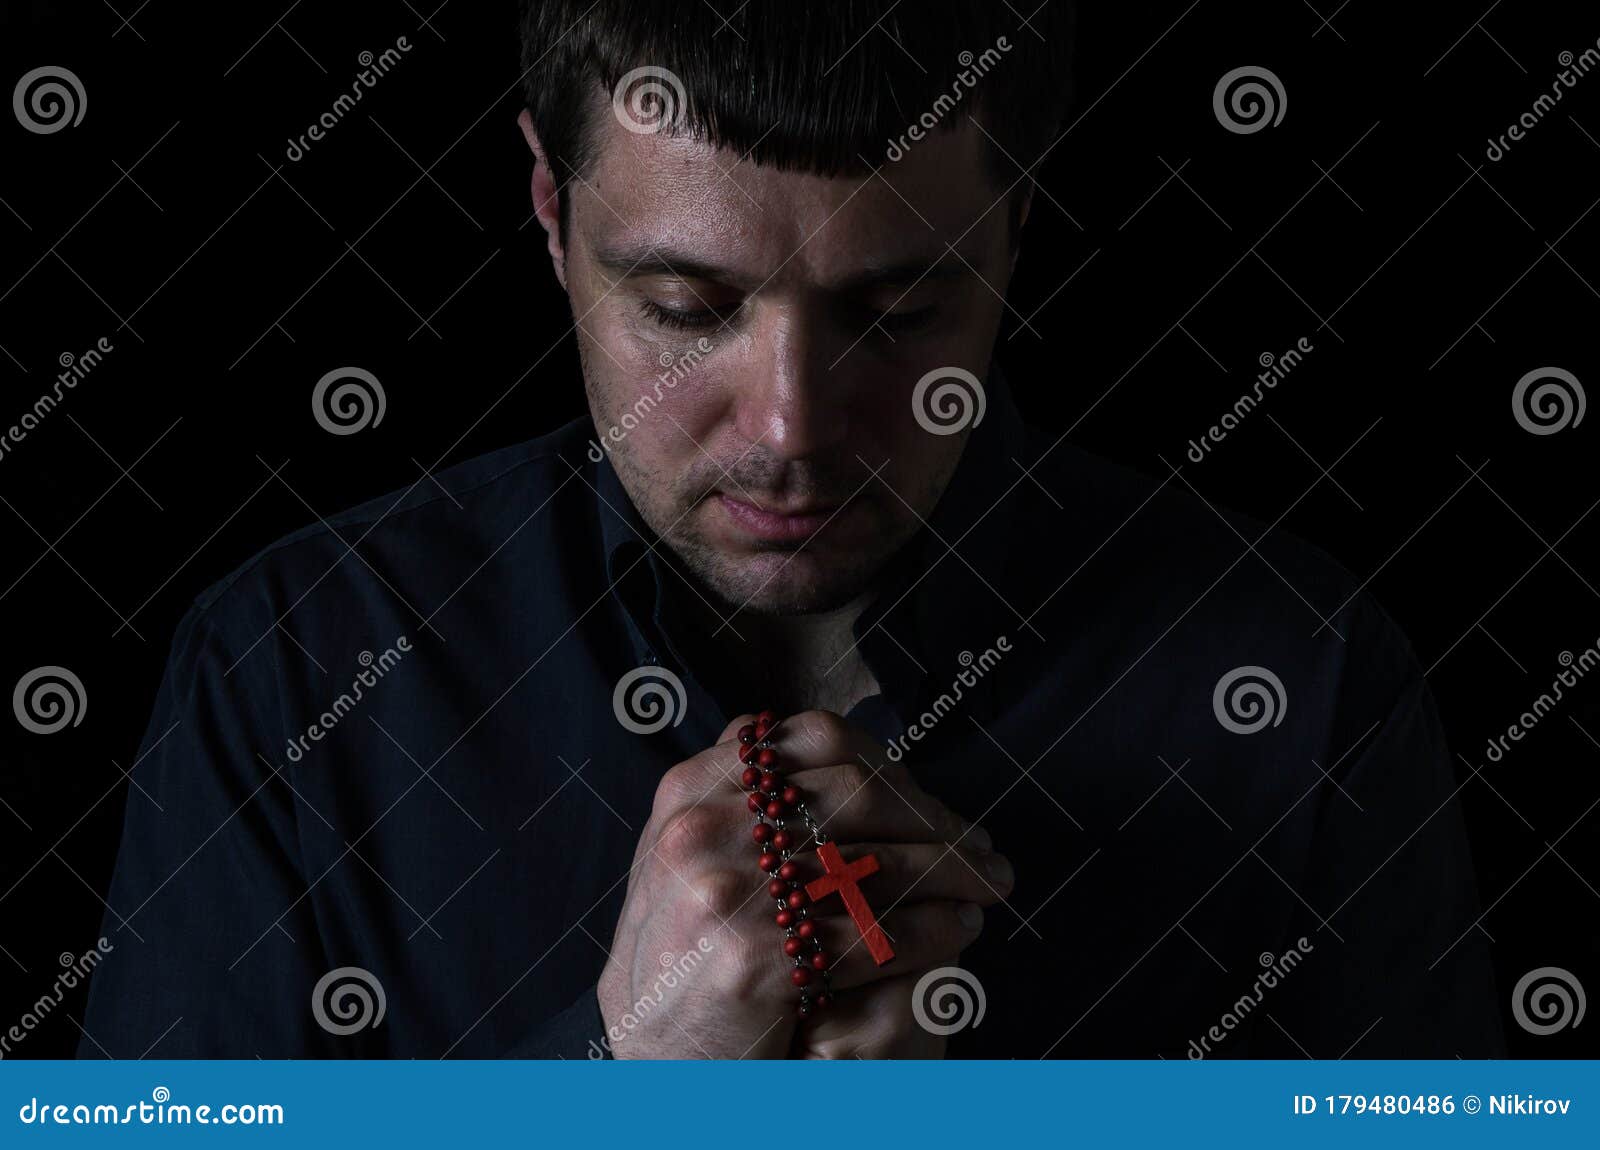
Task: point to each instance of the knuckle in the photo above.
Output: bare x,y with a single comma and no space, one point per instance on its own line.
691,834
718,893
822,731
935,932
672,790
686,784
855,778
896,775
750,971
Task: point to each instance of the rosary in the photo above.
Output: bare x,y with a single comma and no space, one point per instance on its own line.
775,804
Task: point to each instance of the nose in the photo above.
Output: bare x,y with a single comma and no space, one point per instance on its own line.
792,405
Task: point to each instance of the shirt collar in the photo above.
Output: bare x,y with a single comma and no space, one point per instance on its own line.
949,597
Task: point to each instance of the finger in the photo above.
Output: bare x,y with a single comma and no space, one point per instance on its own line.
855,802
876,1021
923,934
712,772
731,731
922,871
809,739
803,741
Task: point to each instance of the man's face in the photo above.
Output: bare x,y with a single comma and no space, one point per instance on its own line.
751,340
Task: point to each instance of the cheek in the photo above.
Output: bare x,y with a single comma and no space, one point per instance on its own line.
670,404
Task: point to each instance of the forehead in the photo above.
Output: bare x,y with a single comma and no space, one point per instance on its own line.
675,192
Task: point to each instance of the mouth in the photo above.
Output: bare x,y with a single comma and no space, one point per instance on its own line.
773,523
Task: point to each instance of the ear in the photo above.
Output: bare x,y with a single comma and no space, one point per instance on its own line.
1021,218
546,197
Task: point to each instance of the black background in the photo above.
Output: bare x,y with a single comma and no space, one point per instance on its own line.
1369,221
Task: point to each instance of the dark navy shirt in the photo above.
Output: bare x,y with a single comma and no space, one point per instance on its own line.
390,743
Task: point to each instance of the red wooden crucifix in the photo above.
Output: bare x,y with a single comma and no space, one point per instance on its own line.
843,877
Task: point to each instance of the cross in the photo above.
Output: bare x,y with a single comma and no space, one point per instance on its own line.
842,877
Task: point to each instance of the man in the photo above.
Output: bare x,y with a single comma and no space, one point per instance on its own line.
1123,793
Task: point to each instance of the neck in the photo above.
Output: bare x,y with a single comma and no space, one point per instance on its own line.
787,662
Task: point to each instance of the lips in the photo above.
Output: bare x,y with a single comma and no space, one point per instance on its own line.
771,523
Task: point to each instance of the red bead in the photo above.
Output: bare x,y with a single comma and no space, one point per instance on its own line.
762,727
754,803
768,717
783,917
774,809
797,898
800,976
762,833
767,757
777,888
821,1001
746,751
791,795
788,870
750,777
782,840
768,784
819,961
768,860
792,947
806,929
747,733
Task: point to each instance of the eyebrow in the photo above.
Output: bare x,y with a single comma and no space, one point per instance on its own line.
652,260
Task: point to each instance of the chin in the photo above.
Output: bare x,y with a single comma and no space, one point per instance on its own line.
784,582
